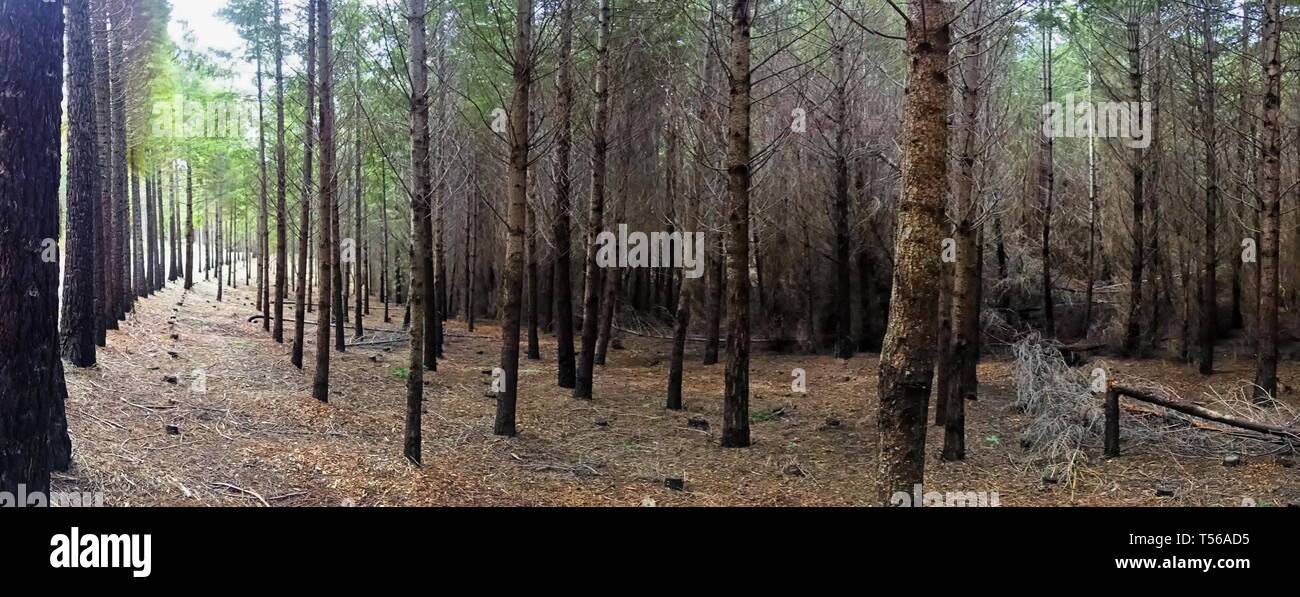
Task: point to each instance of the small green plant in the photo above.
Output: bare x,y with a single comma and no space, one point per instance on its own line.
402,373
764,416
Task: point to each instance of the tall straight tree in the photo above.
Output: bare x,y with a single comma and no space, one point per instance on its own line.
840,151
263,245
418,298
304,201
1271,198
440,198
281,213
512,288
189,226
104,205
150,232
160,228
1138,193
31,372
173,222
963,382
321,383
358,209
121,251
563,189
682,323
735,406
1047,168
80,251
1209,138
907,360
596,212
137,237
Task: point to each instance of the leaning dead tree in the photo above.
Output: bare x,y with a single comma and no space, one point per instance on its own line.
1113,393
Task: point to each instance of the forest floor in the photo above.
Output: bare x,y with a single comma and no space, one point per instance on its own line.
145,434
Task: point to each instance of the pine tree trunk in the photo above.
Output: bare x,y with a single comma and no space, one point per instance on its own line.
358,215
534,350
907,357
302,298
120,250
682,317
137,241
263,245
281,211
103,209
596,213
418,68
32,389
1266,349
563,292
1137,171
221,249
1047,189
735,410
189,226
83,194
964,351
843,279
320,384
1209,124
513,282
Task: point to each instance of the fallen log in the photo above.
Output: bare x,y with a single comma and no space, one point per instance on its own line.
1113,392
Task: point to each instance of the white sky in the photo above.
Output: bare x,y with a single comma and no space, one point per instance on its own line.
212,32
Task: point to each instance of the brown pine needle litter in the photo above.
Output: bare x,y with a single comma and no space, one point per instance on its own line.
219,417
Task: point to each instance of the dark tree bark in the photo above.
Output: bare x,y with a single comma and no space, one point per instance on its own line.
83,194
681,324
438,273
717,287
1047,187
418,67
220,256
120,250
471,261
160,272
150,234
321,383
32,389
534,350
843,279
682,318
189,226
964,351
301,298
1266,348
567,373
596,213
103,209
206,240
137,241
281,212
383,268
735,409
907,358
263,244
513,283
173,244
358,217
1137,171
1209,262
